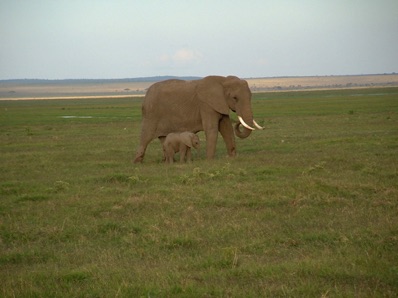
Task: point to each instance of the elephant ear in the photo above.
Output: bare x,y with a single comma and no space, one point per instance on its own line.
211,92
186,138
232,84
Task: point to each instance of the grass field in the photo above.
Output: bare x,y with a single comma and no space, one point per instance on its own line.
309,208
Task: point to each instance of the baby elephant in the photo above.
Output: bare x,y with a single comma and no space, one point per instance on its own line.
180,142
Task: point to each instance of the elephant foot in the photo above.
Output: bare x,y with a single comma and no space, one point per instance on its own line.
138,159
232,154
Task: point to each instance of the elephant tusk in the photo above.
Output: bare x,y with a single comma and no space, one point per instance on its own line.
256,125
244,123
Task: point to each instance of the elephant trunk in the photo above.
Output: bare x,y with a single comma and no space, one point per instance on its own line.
247,129
242,134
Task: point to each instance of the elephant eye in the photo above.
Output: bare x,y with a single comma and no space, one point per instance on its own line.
235,98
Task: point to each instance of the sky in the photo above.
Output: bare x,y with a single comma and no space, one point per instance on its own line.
104,39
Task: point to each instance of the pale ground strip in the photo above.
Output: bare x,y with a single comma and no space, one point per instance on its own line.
322,82
62,90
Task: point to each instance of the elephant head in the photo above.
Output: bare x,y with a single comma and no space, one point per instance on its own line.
190,139
239,100
236,96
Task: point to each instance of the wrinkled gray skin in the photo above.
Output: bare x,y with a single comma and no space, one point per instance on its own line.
180,142
199,105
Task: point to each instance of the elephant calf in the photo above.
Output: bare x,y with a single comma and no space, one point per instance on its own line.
180,142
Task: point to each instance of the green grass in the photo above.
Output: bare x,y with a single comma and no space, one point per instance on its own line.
309,208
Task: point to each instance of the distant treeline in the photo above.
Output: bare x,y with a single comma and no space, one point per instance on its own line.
97,81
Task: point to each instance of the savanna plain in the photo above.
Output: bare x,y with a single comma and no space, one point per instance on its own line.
308,208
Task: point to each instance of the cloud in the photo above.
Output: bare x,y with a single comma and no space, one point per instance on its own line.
186,55
181,56
262,61
164,58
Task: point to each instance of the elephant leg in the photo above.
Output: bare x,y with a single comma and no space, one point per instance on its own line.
183,150
139,156
169,155
189,155
211,142
227,133
165,155
162,139
210,122
147,135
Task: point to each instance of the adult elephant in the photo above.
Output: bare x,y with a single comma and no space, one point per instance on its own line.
199,105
